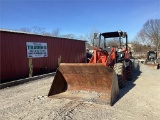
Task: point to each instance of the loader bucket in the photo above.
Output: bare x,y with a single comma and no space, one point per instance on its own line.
85,81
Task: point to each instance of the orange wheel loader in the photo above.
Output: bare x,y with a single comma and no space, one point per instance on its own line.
101,78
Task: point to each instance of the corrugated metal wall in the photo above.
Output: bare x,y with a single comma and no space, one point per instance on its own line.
14,61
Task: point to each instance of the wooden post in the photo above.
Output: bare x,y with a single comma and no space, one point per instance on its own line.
59,60
30,67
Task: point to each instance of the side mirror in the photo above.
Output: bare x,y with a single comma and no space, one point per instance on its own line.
124,34
97,35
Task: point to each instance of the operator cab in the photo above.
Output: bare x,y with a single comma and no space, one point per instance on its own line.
121,46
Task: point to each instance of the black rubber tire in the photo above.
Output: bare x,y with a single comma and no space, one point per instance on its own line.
129,72
119,70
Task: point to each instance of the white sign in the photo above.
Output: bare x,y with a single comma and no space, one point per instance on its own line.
36,49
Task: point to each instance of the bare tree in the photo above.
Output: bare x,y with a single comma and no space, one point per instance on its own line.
142,39
56,32
140,48
82,37
38,30
35,29
47,34
150,33
112,42
137,46
90,37
25,29
41,31
70,36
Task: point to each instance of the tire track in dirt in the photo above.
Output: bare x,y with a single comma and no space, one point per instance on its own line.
67,110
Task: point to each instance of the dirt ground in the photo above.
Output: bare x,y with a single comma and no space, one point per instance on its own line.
139,100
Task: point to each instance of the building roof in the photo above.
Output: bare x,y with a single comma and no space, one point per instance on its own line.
29,33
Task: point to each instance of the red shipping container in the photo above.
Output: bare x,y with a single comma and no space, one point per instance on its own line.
13,52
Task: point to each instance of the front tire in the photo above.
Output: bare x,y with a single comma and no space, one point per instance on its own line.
120,71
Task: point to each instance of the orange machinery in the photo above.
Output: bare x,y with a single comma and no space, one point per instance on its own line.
104,74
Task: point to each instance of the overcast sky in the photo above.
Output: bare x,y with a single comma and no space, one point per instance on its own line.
79,16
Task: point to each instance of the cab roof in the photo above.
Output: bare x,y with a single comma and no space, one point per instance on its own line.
112,34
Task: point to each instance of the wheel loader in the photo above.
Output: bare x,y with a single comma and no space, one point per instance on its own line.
151,57
105,73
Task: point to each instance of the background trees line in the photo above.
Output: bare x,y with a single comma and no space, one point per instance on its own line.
148,38
41,31
89,37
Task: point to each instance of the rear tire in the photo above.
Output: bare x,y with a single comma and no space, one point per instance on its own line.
120,71
129,71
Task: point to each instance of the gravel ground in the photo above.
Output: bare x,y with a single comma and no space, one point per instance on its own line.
139,100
